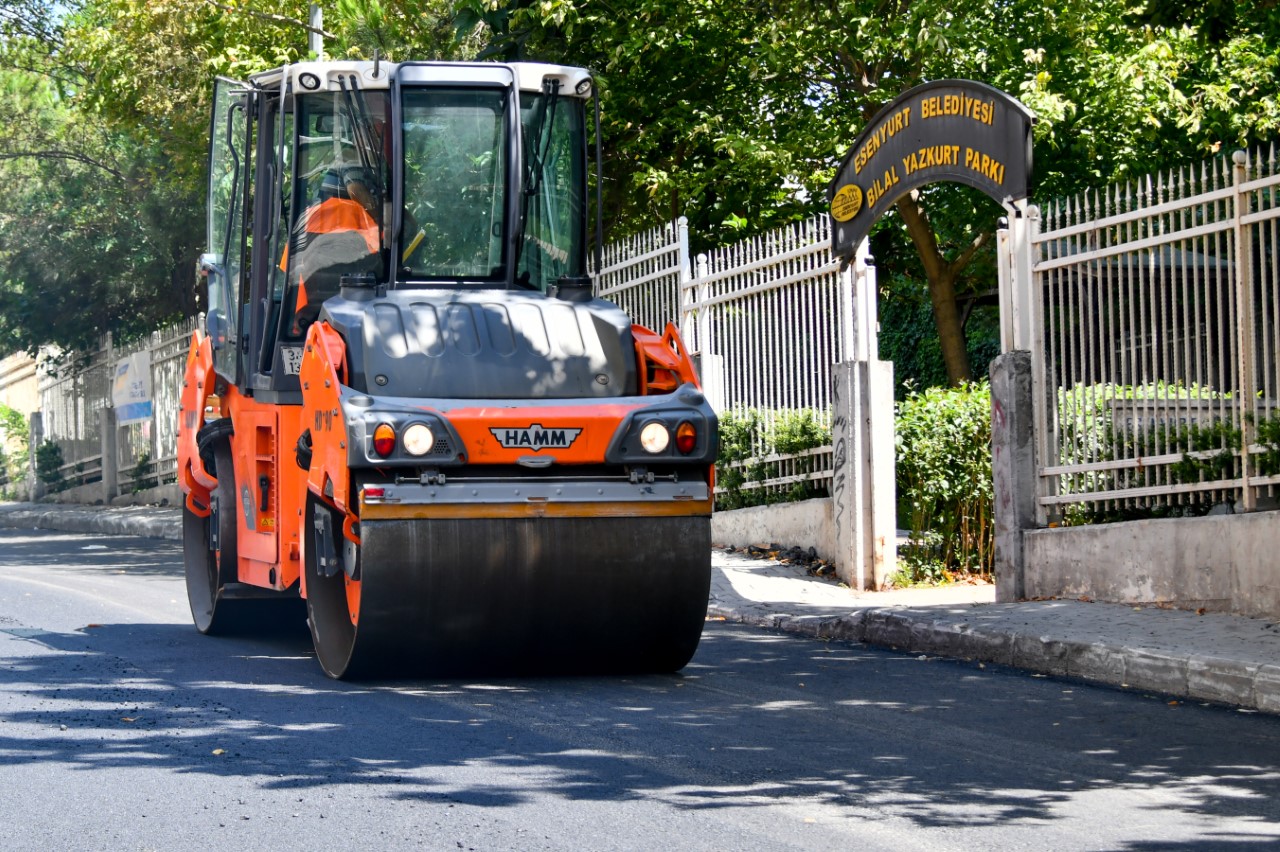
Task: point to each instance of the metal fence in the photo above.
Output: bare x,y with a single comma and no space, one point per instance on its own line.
767,317
778,315
1157,376
73,394
642,274
73,391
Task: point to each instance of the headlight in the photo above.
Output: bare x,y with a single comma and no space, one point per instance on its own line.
654,437
418,440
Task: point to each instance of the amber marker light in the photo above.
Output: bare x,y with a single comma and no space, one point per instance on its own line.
384,440
686,437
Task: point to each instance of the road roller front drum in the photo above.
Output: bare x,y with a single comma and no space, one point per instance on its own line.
509,596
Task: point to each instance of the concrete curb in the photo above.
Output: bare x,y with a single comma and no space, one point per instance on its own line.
144,521
1250,684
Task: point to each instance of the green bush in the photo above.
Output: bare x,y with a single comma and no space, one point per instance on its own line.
1088,432
144,473
945,494
1267,433
13,450
746,438
49,465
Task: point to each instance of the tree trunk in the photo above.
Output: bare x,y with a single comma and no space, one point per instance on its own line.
941,276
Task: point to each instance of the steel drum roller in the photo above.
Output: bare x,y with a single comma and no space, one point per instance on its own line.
517,596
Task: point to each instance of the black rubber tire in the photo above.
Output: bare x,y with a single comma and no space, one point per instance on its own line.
209,572
328,613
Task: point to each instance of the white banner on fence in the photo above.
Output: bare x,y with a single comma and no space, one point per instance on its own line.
131,389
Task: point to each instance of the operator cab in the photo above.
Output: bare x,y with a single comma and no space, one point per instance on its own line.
360,179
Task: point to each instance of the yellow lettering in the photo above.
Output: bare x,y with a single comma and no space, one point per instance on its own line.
890,127
933,156
989,167
962,105
879,187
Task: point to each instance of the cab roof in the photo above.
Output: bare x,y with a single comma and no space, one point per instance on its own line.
322,76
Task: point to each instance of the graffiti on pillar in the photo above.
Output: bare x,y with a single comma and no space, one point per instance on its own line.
840,454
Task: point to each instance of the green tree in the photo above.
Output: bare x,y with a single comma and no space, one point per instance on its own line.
104,108
13,450
89,230
735,114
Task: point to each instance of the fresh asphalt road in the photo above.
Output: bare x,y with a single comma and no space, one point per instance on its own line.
122,728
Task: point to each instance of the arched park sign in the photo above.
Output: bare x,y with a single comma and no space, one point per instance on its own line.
949,130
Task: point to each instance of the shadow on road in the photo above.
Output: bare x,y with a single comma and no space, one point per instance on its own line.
757,719
81,552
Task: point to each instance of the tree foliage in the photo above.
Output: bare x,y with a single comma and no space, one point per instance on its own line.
729,112
735,114
91,227
104,106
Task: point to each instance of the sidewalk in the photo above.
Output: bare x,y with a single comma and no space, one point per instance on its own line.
1213,657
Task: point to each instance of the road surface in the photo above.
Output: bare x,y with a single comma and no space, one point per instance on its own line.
122,728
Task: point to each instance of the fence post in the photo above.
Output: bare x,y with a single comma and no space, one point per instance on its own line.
1021,295
848,315
1013,469
688,300
35,487
315,31
1004,285
848,496
110,454
867,337
710,365
1244,324
1021,331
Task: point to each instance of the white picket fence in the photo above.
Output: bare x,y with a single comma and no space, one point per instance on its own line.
777,314
644,274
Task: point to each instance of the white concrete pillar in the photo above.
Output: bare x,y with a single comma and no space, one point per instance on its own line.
864,490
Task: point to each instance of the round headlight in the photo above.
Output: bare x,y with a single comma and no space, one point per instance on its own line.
654,437
418,440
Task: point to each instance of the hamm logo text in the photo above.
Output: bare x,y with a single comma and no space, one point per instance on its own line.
536,437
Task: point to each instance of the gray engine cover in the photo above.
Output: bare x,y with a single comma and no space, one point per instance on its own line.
484,344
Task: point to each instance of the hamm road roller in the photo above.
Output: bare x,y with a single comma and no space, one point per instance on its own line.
405,407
